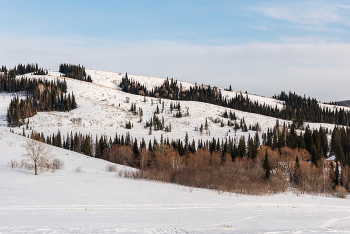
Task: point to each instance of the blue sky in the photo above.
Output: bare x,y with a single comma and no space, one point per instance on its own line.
263,47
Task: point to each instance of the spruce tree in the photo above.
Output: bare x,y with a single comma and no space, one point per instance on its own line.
266,166
136,148
297,172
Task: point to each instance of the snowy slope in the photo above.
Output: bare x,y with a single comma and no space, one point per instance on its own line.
113,80
102,110
97,201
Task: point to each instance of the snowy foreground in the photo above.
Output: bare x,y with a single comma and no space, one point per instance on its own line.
97,201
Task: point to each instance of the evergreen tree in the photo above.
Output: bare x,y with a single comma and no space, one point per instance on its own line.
297,172
135,148
266,166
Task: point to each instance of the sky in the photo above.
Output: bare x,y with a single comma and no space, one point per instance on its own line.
263,47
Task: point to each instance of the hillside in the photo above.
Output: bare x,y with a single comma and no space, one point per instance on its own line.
113,80
99,201
344,103
103,110
95,200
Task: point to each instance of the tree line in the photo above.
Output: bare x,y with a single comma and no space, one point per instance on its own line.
296,108
74,71
314,142
308,109
251,162
23,69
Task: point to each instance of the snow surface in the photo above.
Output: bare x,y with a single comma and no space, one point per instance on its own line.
97,201
102,110
113,80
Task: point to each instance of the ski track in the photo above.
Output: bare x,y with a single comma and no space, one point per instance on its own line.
331,222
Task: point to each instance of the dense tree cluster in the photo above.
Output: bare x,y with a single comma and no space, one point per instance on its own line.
23,69
340,144
41,95
3,69
296,108
308,109
262,161
40,71
313,141
75,72
18,111
157,124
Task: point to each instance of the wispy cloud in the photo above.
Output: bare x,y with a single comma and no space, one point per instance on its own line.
317,14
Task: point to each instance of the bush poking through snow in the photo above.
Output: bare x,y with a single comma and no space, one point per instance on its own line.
78,170
56,164
136,175
14,164
111,168
341,191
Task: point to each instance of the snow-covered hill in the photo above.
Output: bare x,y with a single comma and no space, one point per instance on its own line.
113,80
103,110
97,201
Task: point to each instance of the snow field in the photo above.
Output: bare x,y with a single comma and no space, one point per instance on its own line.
97,201
113,80
102,110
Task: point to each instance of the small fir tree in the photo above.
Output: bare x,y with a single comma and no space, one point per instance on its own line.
266,165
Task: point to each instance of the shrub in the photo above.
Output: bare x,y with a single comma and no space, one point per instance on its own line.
345,177
341,191
203,169
14,164
78,170
120,154
56,164
111,168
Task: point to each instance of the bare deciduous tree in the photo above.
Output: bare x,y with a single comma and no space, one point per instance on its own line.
176,162
121,155
37,153
144,158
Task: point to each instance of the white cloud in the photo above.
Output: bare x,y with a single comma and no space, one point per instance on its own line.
321,70
315,13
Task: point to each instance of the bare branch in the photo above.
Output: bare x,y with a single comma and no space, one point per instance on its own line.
37,153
